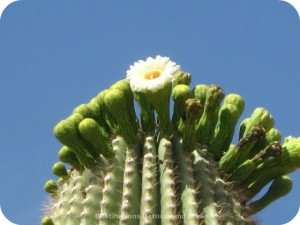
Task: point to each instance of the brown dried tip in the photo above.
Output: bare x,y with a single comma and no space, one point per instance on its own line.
257,132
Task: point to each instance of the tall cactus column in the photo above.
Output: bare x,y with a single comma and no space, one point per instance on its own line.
162,169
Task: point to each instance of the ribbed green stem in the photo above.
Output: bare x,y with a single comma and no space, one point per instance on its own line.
205,180
150,187
75,201
167,181
221,198
61,207
113,185
93,196
187,182
130,208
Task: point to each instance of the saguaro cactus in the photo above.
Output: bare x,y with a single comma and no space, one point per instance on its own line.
116,169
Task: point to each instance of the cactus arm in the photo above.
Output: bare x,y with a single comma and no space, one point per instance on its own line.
150,187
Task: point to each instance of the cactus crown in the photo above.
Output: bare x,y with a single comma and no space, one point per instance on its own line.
162,169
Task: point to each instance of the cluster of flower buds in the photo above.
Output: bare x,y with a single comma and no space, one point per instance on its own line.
157,168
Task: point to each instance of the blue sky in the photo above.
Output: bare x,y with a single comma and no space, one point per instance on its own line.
57,54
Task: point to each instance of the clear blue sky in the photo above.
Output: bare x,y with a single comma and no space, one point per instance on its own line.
57,54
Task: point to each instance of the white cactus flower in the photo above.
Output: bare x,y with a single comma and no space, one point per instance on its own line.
152,74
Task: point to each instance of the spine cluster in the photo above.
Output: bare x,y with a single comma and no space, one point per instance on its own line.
116,169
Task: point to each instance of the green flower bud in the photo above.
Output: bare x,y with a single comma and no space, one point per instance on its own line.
259,116
47,221
51,187
273,150
160,100
228,117
124,87
66,155
288,162
238,154
180,94
236,100
205,128
95,135
85,110
200,93
246,144
61,181
269,169
246,168
256,132
95,108
107,119
181,78
273,135
146,113
280,187
59,170
67,133
116,103
192,111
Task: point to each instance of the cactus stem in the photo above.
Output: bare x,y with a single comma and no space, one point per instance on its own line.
167,180
131,187
187,183
205,180
150,191
112,190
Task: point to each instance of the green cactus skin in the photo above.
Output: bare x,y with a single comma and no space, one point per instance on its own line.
168,198
174,170
150,179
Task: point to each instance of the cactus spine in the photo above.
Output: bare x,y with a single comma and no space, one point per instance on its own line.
161,169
